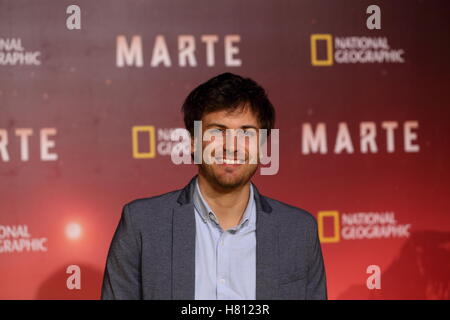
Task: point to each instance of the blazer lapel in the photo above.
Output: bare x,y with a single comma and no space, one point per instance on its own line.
266,250
183,246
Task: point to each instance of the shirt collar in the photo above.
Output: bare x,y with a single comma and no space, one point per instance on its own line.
206,212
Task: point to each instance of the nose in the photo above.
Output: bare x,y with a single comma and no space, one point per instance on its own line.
232,149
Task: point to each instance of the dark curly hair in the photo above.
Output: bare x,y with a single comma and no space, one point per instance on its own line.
228,91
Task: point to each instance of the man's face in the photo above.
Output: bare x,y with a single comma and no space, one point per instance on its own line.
230,174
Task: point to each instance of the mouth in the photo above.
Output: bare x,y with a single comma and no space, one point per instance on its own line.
230,162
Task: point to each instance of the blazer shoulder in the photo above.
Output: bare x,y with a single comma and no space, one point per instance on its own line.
290,213
152,205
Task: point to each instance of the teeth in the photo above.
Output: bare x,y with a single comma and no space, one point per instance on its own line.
227,161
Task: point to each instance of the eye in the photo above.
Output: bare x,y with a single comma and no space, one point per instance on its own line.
249,133
216,130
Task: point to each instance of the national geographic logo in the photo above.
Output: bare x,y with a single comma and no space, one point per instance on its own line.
137,132
336,236
148,141
326,52
328,60
13,53
333,226
17,239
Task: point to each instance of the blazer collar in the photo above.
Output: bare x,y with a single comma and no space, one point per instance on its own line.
187,193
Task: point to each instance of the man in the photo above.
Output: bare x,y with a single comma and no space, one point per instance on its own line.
218,237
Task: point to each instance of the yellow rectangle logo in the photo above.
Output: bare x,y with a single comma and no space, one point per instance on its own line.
329,41
152,141
336,226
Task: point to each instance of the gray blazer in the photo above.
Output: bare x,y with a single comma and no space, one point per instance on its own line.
152,253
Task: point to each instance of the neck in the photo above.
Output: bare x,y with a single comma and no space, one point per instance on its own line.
228,205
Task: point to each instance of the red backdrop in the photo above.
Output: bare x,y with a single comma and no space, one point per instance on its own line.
69,100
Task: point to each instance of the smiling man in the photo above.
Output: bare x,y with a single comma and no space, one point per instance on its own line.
218,237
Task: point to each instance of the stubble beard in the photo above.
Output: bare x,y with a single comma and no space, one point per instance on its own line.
227,182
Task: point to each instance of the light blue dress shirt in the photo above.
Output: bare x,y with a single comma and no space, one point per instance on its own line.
225,261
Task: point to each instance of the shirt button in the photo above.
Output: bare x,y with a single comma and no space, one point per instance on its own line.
222,281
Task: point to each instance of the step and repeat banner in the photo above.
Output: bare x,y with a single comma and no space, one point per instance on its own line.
90,92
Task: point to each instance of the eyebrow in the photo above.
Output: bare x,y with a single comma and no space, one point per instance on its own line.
247,126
